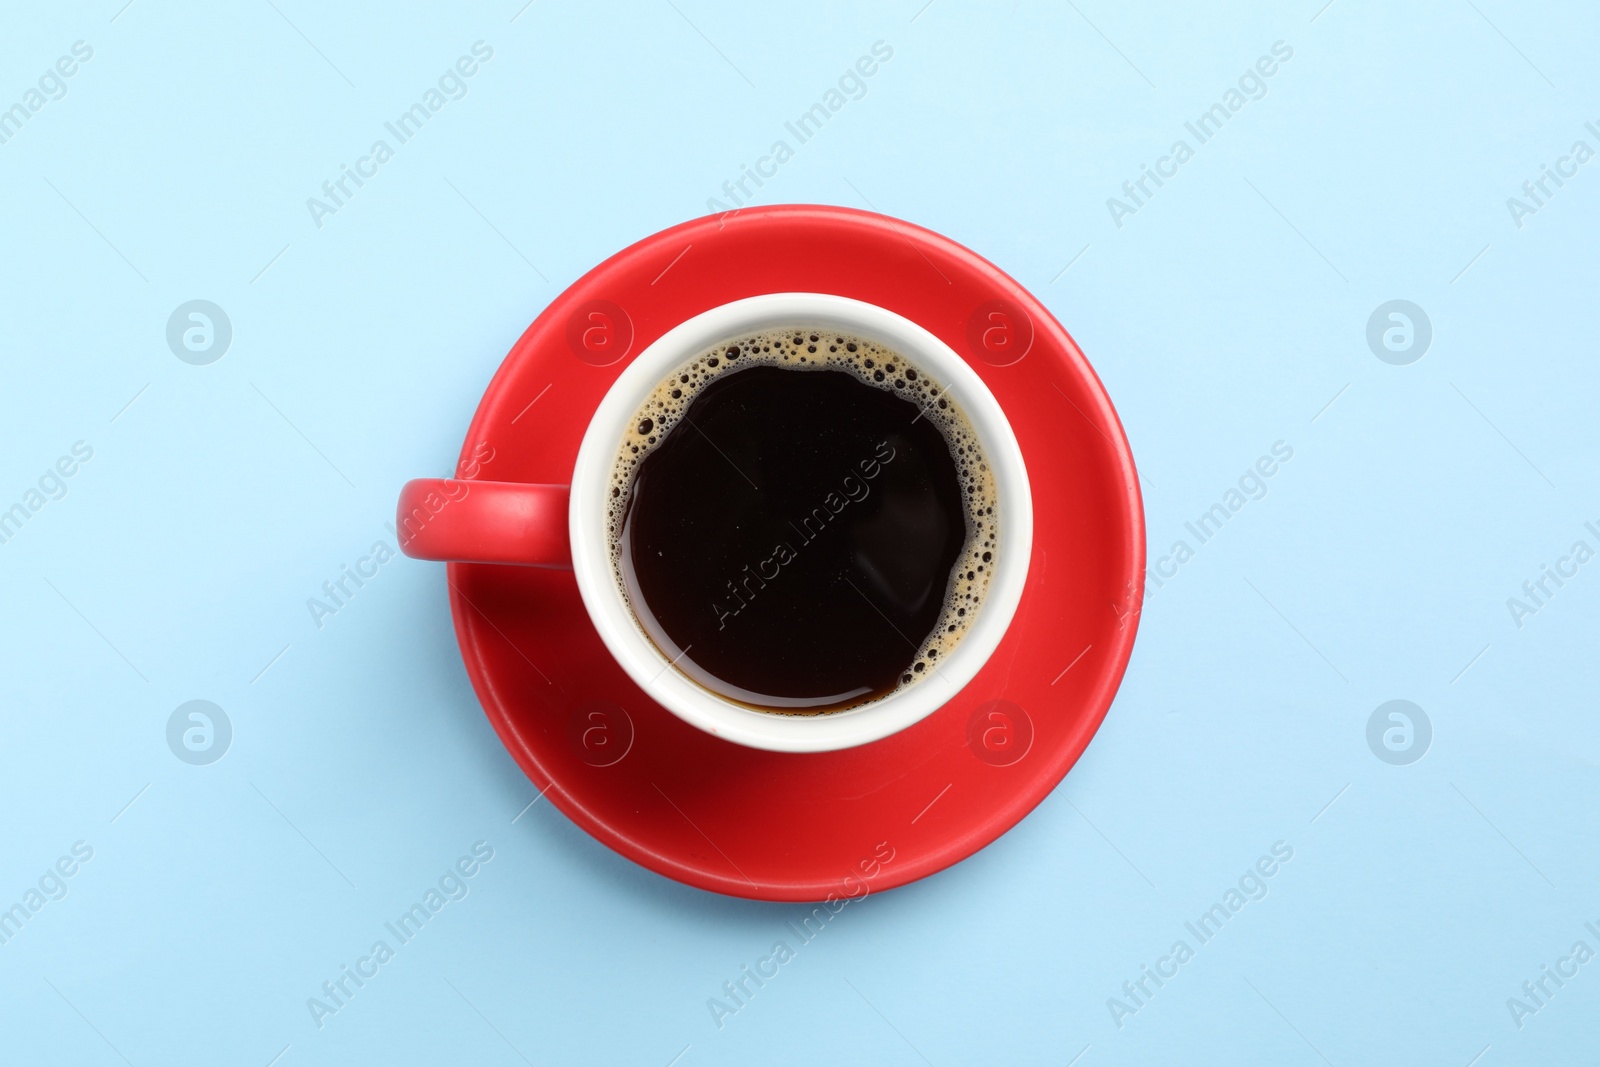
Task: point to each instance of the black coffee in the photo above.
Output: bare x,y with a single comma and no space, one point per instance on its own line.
803,522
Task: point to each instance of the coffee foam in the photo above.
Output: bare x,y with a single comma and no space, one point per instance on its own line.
812,348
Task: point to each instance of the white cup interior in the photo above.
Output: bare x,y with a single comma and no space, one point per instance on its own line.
639,656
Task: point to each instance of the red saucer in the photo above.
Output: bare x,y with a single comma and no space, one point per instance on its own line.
780,826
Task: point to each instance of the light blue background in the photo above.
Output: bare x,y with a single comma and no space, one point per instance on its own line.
1223,317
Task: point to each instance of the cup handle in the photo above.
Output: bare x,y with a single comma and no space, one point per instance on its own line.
484,522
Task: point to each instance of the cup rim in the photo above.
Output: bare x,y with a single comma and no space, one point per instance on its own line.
638,655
